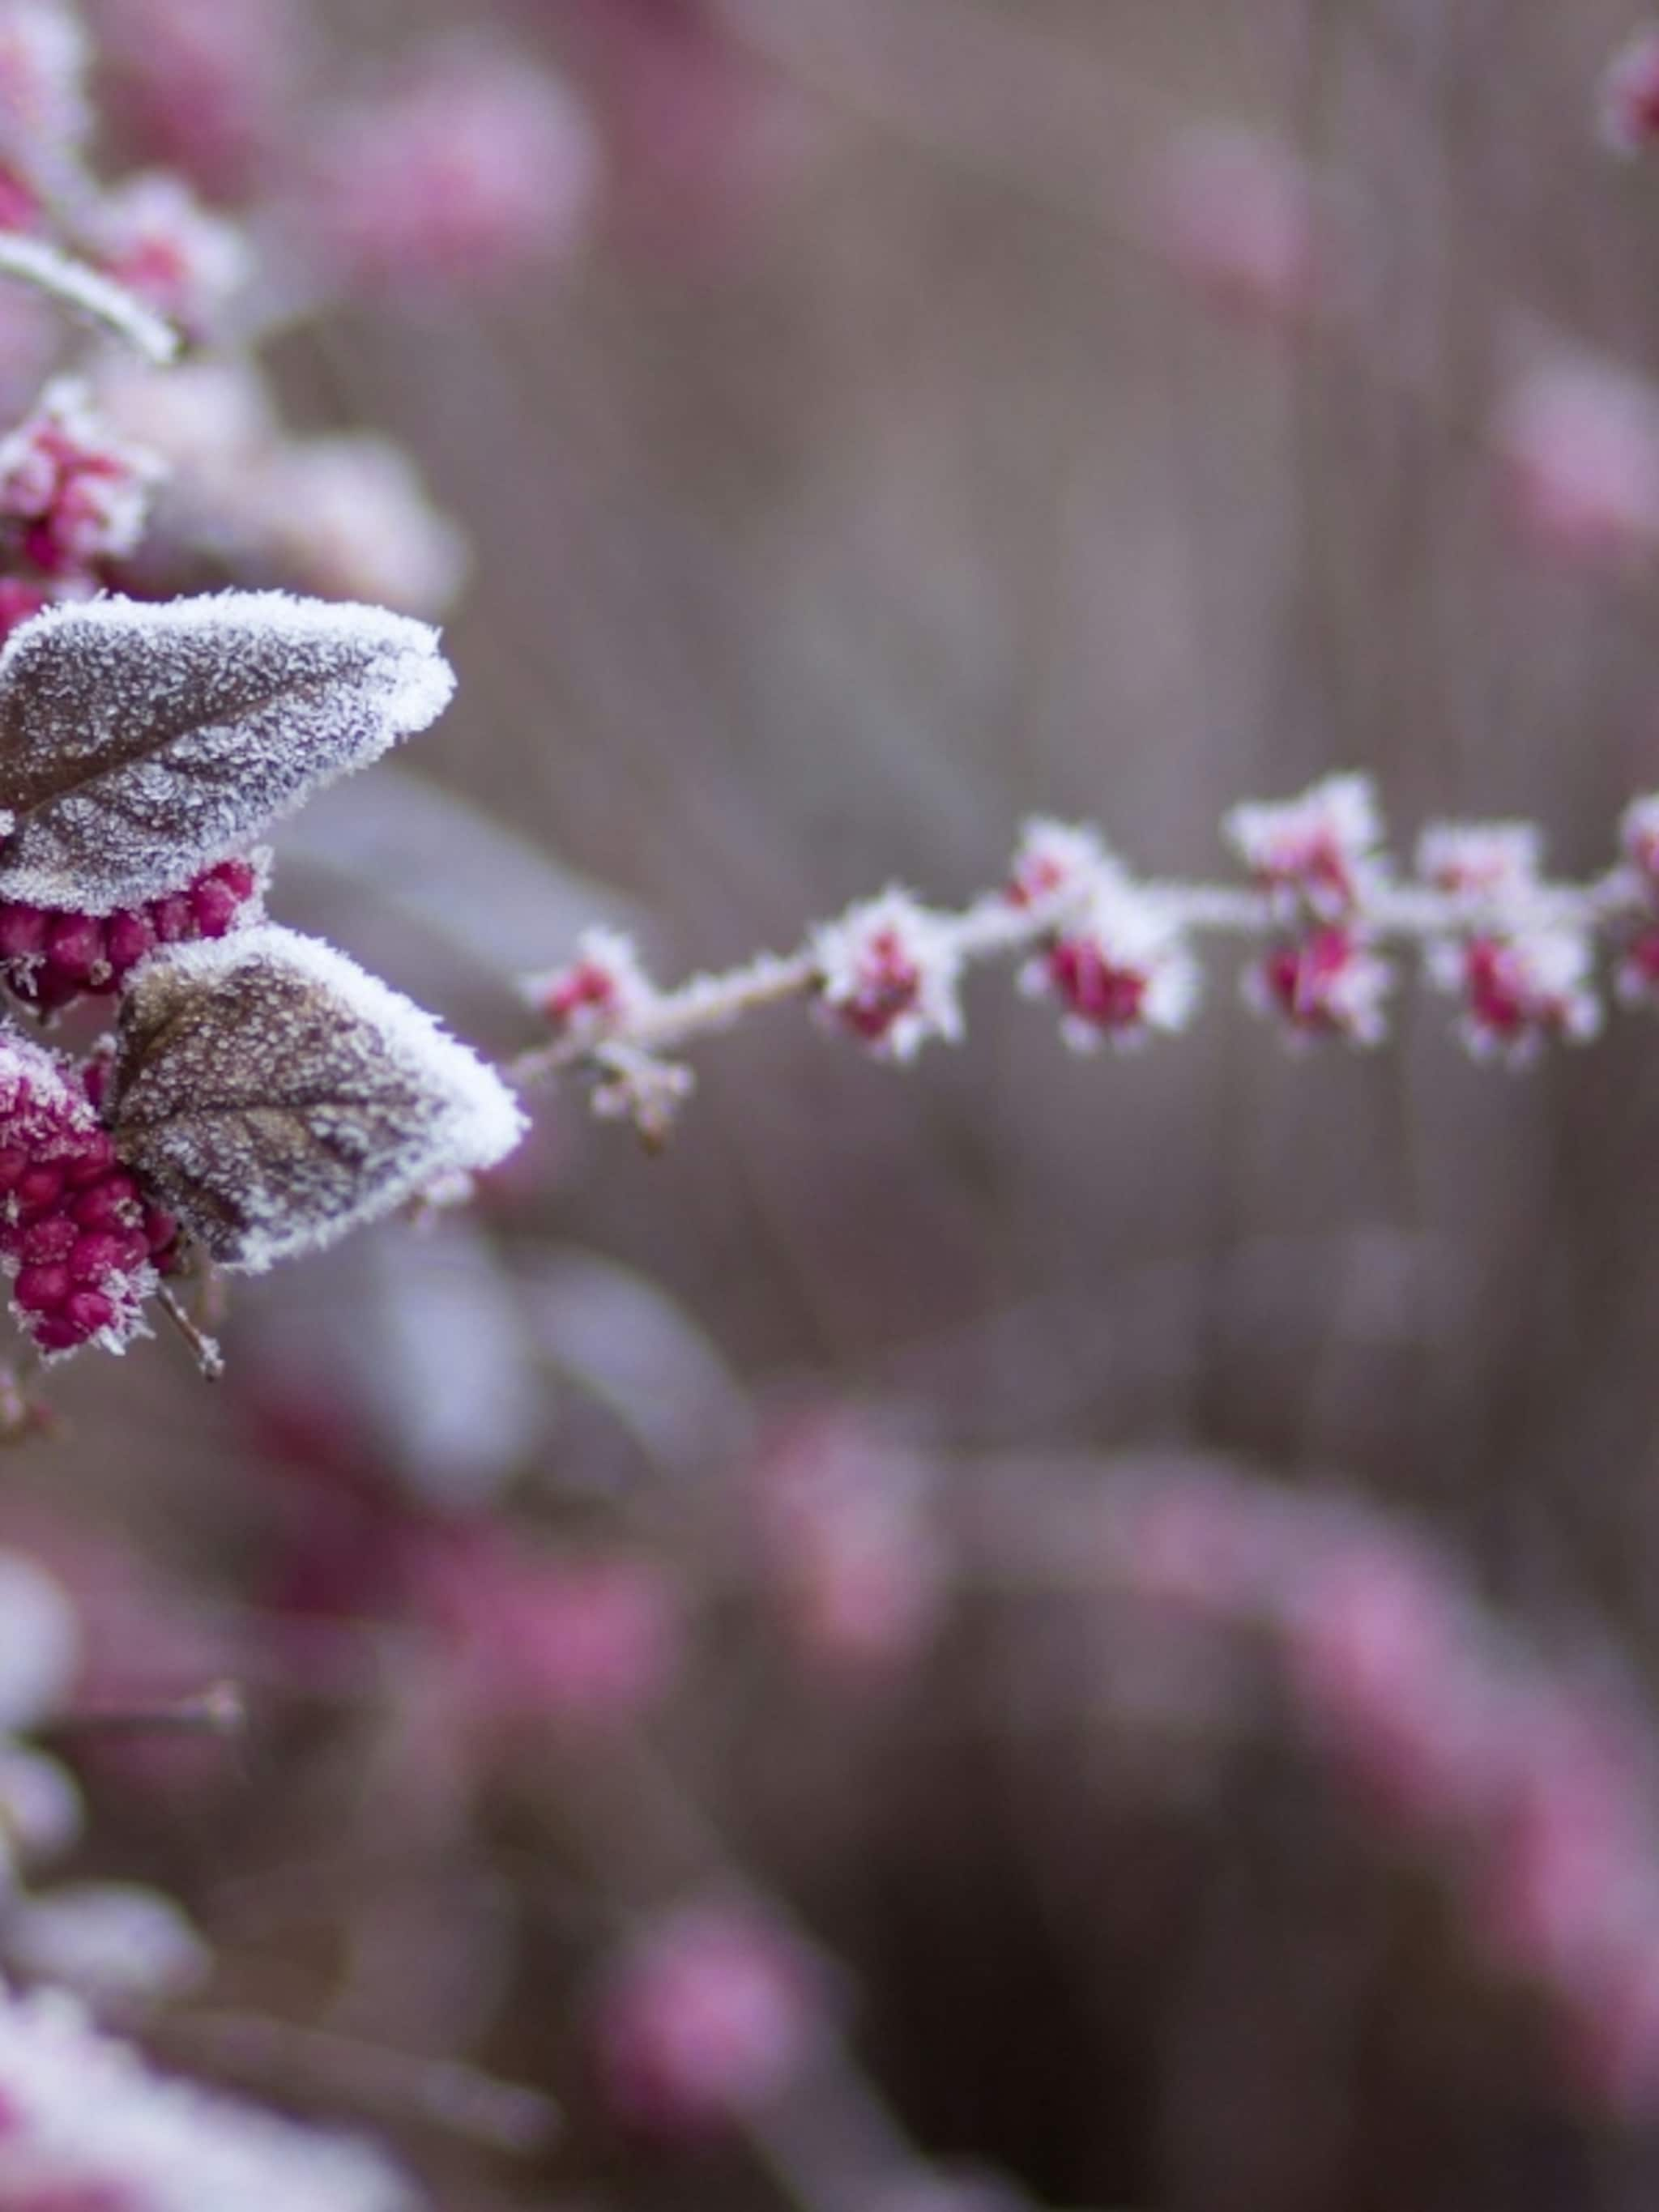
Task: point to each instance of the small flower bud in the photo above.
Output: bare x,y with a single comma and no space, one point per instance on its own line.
1121,970
1317,852
888,973
603,989
1053,859
1488,860
1330,983
1521,988
80,494
152,236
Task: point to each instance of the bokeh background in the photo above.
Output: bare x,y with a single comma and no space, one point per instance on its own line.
1124,1589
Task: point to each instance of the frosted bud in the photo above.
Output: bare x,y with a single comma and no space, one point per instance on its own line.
274,1096
1055,860
1319,851
1628,109
1330,983
1484,860
107,1940
887,972
602,989
1122,969
1521,988
78,495
152,234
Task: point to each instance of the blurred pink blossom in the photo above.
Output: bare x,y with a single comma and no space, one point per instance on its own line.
704,2020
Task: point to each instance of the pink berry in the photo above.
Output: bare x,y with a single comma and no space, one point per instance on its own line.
49,1240
128,938
22,932
42,1290
89,1312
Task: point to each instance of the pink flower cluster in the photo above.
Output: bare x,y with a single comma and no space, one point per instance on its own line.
48,960
1115,959
1523,970
75,1230
1530,1796
706,2020
1318,860
77,495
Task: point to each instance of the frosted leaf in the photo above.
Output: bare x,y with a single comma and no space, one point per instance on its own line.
275,1097
140,744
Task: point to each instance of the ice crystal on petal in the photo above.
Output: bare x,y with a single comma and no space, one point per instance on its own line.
78,495
887,972
139,744
1121,970
87,2122
1319,850
1492,860
276,1096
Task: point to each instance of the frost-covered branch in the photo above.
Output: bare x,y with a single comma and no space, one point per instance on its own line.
1327,915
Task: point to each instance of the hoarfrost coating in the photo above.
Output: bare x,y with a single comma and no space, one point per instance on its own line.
276,1097
140,743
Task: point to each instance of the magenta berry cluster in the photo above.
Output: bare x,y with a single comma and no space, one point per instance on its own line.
50,960
74,1223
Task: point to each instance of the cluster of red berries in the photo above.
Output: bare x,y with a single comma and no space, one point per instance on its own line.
86,1243
49,960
